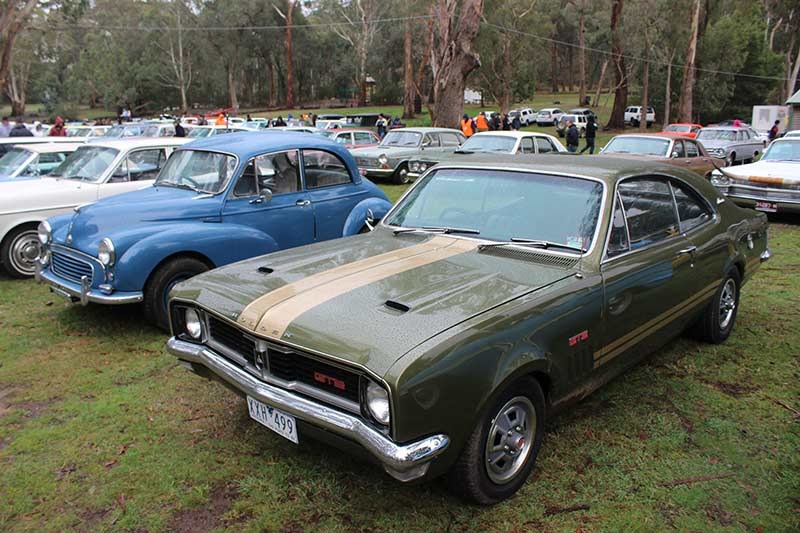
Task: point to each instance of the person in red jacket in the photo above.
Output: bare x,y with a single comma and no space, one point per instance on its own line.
58,129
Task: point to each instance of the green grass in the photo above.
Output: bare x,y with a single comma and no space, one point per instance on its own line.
101,429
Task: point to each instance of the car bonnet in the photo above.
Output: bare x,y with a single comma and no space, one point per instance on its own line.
369,299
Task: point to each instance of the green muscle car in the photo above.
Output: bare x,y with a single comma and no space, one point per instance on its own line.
492,295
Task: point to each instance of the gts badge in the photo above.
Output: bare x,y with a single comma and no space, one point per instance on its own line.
580,337
328,380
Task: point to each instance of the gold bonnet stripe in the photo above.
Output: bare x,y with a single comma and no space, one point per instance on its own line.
277,318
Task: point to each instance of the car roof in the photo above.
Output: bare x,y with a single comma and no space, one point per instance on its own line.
46,148
346,130
514,134
608,169
250,144
683,124
735,128
138,142
428,130
663,135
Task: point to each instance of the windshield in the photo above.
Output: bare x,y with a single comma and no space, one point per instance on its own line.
150,131
200,132
401,138
13,160
207,172
502,205
77,132
87,163
681,129
777,151
717,135
489,143
118,132
637,145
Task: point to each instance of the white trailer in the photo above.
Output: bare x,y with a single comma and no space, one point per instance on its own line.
764,116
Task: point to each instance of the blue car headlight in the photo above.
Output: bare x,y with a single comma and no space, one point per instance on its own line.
45,232
106,253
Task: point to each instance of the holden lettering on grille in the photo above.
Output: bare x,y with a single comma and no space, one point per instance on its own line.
322,378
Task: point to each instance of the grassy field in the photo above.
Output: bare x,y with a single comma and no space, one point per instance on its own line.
101,429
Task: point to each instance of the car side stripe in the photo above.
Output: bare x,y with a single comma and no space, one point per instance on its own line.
255,311
613,349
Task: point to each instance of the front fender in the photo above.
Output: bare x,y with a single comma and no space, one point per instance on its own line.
220,243
355,220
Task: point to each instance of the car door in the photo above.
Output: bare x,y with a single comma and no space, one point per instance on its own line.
287,216
526,146
332,191
544,145
695,160
450,142
431,143
136,170
648,278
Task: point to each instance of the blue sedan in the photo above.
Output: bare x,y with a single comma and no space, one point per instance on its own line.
216,201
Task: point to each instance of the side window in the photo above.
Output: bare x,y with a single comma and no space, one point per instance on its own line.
278,172
430,141
362,137
50,158
649,210
449,139
544,146
344,138
691,149
526,146
692,211
246,184
742,136
618,240
323,169
145,164
677,148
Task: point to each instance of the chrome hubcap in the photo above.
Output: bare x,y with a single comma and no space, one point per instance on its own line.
24,252
727,304
510,439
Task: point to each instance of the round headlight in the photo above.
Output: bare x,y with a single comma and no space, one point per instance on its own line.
378,403
423,167
192,323
45,232
720,180
413,166
382,159
106,253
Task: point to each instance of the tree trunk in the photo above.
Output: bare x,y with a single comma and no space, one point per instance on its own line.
687,87
791,82
16,92
668,89
600,83
12,22
289,58
581,57
232,87
271,76
617,120
453,58
554,67
409,93
508,74
645,88
362,74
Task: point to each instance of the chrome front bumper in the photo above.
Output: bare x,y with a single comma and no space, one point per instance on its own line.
83,292
404,462
379,172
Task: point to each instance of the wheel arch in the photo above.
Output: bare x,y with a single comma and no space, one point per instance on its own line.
176,255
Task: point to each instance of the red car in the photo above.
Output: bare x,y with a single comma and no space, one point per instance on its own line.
353,137
683,129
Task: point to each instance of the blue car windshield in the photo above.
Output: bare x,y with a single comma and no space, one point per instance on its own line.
201,171
777,151
637,145
504,205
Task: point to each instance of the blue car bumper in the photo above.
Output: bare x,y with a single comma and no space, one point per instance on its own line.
82,292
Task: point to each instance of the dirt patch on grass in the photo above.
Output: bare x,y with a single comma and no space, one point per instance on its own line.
210,517
735,390
32,409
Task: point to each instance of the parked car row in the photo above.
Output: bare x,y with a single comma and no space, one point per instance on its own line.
527,276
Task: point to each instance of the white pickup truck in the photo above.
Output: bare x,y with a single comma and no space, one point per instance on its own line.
633,115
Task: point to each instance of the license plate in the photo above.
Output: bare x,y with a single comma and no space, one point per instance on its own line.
281,423
769,207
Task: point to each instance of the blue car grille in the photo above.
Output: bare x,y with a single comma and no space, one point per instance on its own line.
70,268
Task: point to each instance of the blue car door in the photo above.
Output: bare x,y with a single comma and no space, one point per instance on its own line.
269,196
332,191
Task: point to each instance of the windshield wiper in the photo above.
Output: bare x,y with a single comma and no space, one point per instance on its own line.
177,186
533,243
436,229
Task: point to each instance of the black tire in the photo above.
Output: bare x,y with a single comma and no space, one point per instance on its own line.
470,477
731,159
715,324
400,176
161,281
19,250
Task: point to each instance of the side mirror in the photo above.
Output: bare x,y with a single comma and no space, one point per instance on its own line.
370,219
264,198
674,155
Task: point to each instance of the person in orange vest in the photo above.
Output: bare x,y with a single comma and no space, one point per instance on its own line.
481,123
467,126
221,120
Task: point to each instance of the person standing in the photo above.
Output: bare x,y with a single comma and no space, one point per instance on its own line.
467,126
19,129
515,123
504,123
38,130
481,123
58,129
5,127
380,124
573,137
591,133
221,121
180,131
773,131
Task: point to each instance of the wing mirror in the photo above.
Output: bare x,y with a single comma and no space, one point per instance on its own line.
674,155
370,219
264,198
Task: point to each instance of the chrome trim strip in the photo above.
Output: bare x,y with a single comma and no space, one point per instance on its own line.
397,457
85,294
761,198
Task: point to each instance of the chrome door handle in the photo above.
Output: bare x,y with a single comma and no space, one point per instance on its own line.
303,202
689,250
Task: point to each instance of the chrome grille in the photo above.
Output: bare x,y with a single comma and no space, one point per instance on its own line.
285,363
69,267
763,192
